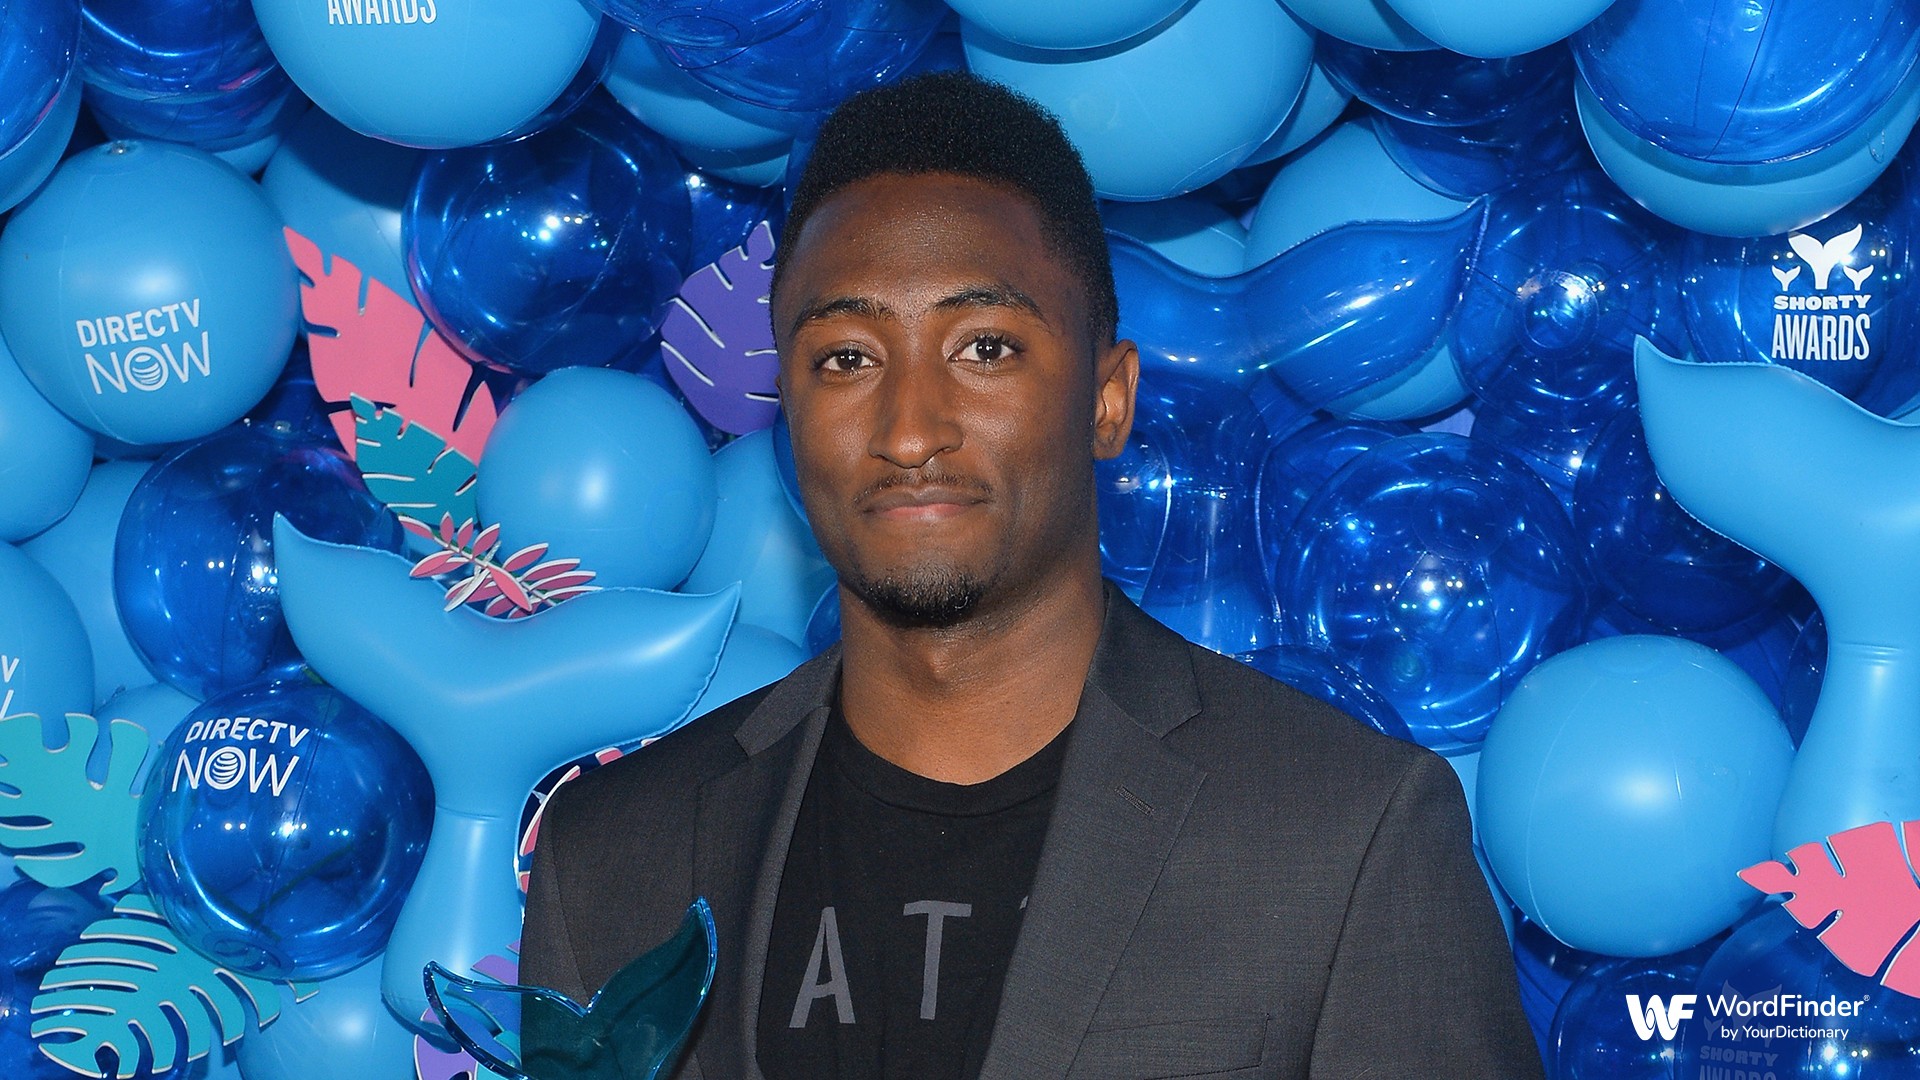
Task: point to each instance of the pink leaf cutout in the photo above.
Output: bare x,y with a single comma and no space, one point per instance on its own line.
464,537
1872,892
562,582
524,558
383,350
549,569
446,529
459,593
499,607
488,591
511,589
488,541
416,527
440,562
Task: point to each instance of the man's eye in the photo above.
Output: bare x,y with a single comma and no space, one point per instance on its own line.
842,360
987,349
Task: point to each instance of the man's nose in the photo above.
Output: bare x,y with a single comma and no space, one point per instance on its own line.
916,413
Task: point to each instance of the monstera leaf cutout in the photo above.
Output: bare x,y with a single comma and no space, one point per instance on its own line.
431,1062
61,827
365,339
409,467
125,986
1871,889
718,342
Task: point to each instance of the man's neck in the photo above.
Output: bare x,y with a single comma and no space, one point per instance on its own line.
967,703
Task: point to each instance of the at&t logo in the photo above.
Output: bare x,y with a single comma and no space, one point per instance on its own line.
1657,1016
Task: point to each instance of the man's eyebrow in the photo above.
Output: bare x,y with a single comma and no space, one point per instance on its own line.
861,306
994,294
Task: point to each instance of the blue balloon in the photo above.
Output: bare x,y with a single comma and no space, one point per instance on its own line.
156,707
832,49
556,250
36,924
1298,465
1553,449
44,457
435,73
604,467
1829,301
1651,556
1135,498
753,657
1441,570
24,168
1764,82
725,213
1322,101
758,541
1623,784
1464,162
282,828
1373,24
1443,88
823,627
1782,465
46,667
78,552
39,42
1191,231
1145,134
1320,674
705,124
1806,670
1594,1038
712,23
1749,200
193,572
1568,274
1489,28
1065,24
147,291
1769,962
1546,968
344,1031
345,192
200,74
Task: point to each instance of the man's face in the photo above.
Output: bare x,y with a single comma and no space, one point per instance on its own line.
945,395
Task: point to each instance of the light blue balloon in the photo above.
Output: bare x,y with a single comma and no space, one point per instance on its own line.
251,157
753,658
27,166
45,665
760,542
1166,112
1065,24
431,73
1321,102
78,552
157,707
605,467
147,291
1372,23
682,108
491,706
1189,230
344,1031
1623,784
1493,28
44,457
1778,463
1749,200
344,192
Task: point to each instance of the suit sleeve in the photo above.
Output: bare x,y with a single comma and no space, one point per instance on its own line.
1423,982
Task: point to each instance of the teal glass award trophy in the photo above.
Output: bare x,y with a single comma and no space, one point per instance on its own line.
631,1030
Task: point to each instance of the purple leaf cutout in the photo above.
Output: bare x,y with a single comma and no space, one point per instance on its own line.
717,341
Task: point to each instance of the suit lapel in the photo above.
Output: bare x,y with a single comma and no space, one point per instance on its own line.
1122,799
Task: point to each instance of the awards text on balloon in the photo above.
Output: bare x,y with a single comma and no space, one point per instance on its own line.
225,766
380,12
1798,334
162,347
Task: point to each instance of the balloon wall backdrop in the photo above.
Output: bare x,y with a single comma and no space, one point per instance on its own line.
389,433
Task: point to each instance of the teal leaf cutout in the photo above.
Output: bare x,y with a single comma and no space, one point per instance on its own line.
410,468
128,982
60,826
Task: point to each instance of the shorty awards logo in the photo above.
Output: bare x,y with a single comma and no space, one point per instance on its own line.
250,752
1831,323
145,350
1663,1018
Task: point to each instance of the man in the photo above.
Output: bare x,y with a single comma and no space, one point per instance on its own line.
1012,827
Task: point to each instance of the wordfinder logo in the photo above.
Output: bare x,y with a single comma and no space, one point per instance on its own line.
250,750
147,349
1664,1017
1828,323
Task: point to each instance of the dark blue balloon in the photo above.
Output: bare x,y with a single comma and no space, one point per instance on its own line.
39,41
823,627
1441,570
1593,1037
1806,670
1316,672
1546,967
1570,272
193,564
709,23
1552,449
1135,497
1300,464
1446,89
282,828
560,249
724,213
37,922
833,49
1651,556
1477,159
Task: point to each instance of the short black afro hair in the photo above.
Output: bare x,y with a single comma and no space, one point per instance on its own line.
955,122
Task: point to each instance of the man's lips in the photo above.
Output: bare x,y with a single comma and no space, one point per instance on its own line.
921,501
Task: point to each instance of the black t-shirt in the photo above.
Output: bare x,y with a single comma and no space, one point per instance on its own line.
898,910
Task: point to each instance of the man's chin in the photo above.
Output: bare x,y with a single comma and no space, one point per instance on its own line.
924,598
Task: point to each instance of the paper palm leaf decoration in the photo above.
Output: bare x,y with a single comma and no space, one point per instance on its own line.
1868,884
60,826
409,467
126,986
367,340
511,586
717,340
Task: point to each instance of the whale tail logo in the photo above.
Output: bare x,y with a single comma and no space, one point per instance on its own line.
1858,277
1786,276
1823,257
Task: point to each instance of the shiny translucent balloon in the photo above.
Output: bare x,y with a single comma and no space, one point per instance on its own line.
557,250
695,117
194,571
1443,88
1299,465
1441,570
1828,300
724,213
1653,557
1553,449
1593,1037
709,23
283,829
1745,84
1318,673
39,43
831,50
1476,159
24,168
1191,230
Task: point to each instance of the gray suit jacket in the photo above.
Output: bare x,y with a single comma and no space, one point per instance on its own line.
1238,881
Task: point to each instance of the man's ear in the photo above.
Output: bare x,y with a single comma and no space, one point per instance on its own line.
1116,373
